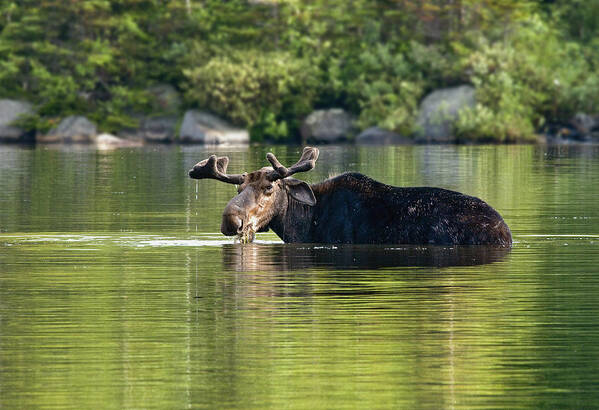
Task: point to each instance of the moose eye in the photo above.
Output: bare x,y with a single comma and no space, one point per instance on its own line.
268,189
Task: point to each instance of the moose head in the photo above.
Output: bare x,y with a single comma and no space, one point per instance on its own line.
262,195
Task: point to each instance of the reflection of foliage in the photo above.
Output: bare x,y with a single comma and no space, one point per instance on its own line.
181,330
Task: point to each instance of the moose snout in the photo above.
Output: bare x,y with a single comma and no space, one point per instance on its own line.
194,172
232,223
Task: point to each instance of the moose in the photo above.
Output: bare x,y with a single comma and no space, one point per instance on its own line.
349,208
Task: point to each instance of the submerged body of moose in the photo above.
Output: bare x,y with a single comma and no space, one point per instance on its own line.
349,208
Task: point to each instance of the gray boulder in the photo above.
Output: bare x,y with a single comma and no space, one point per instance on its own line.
159,124
330,125
72,129
159,129
380,136
203,128
585,125
10,111
439,110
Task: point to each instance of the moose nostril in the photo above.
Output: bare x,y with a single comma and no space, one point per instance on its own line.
193,173
232,224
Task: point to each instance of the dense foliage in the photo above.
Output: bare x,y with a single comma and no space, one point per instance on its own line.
265,64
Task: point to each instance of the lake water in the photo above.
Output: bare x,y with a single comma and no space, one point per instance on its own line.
118,291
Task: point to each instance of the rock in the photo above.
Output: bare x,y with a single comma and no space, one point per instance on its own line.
108,141
159,123
204,128
439,110
330,125
72,129
159,129
10,111
572,132
585,125
380,136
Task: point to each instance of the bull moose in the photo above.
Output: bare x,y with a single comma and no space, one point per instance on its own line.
349,208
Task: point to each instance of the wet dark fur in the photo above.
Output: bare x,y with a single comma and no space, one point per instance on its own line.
353,208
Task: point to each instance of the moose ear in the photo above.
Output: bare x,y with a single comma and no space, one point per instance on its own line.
300,191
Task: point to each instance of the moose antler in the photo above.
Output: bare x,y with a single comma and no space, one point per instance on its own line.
305,163
215,168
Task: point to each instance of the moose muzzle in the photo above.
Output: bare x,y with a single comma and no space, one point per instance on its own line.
234,216
232,224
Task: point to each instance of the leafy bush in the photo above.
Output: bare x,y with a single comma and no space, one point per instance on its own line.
506,101
267,64
523,82
482,124
386,89
269,92
437,64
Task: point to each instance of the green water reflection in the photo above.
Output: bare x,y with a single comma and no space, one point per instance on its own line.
117,291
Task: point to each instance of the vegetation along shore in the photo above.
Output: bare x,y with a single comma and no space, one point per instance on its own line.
378,71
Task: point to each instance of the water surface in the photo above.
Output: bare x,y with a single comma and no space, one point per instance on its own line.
118,291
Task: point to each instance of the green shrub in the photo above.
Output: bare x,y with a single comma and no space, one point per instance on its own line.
267,126
269,92
386,89
374,59
436,64
482,124
534,77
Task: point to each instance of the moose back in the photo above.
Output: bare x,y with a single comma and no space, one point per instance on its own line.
349,208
